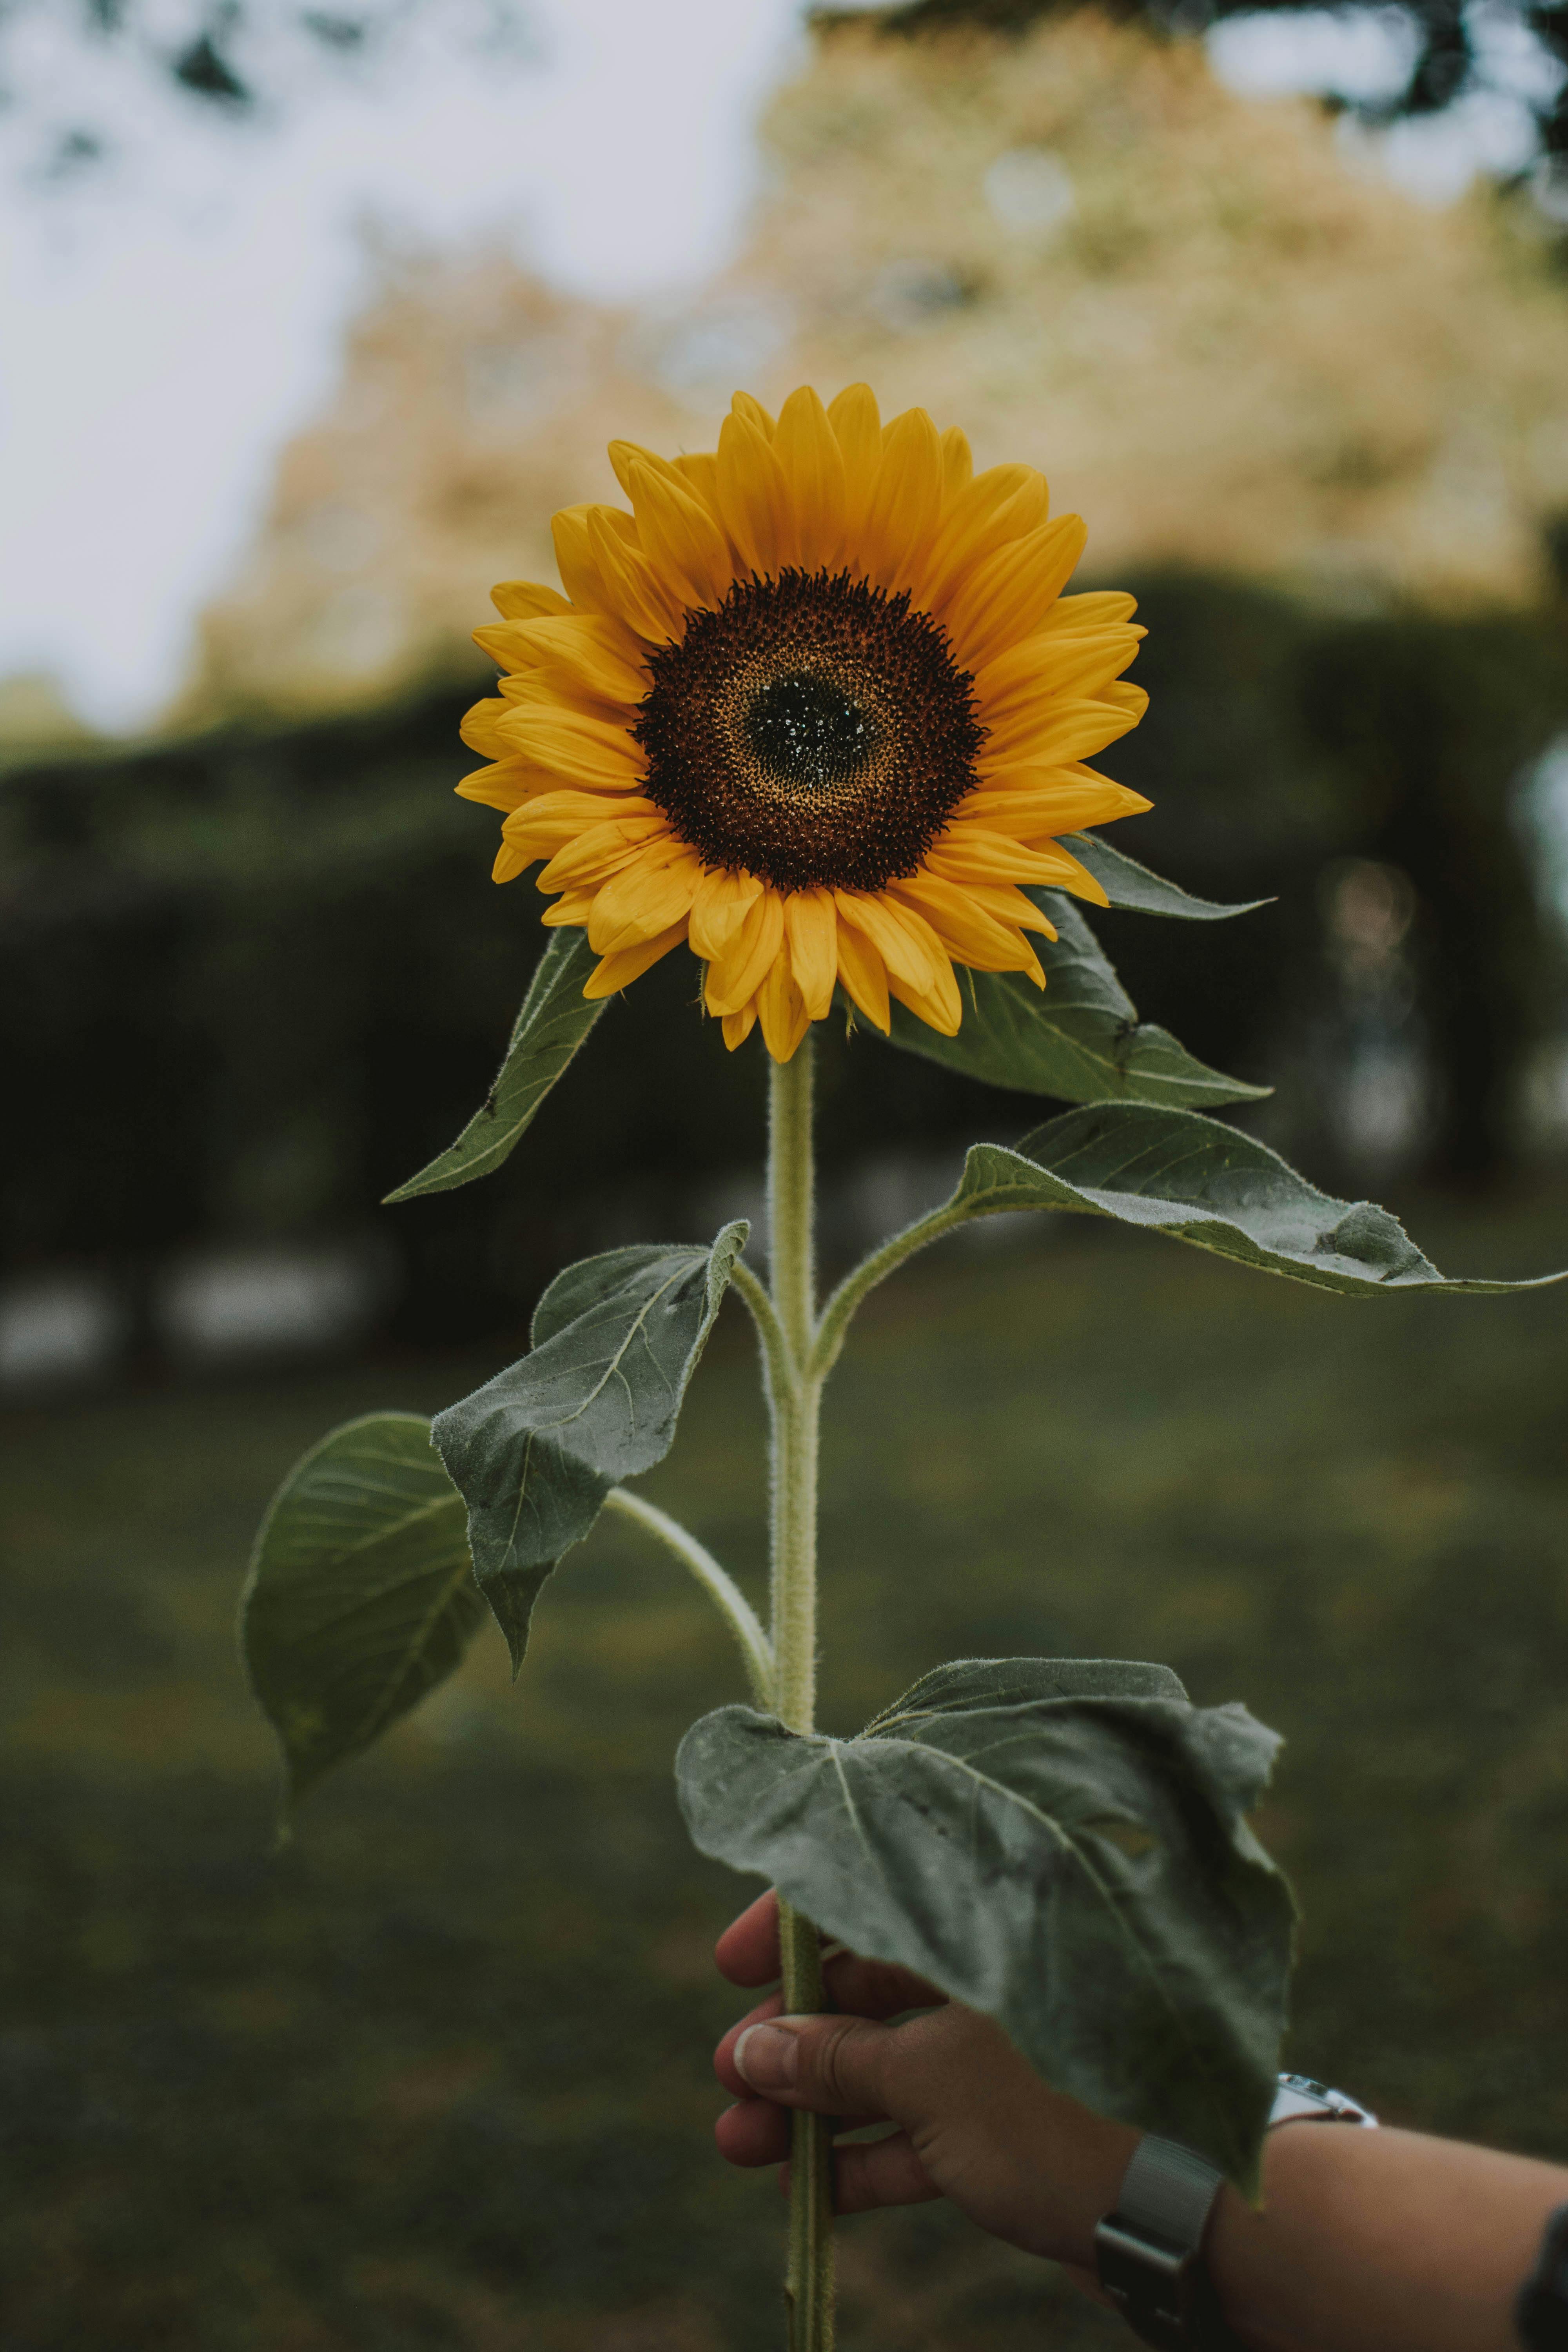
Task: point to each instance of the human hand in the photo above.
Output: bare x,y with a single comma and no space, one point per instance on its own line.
973,2122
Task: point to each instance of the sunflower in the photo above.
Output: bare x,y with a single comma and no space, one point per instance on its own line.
817,708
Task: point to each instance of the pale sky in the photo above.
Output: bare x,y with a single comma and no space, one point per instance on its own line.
170,322
171,319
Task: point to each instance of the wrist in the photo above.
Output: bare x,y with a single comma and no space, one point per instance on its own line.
1078,2170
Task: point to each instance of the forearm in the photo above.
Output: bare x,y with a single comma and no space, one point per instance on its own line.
1380,2241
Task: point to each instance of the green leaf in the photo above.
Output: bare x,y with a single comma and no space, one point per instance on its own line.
1061,1844
1126,884
536,1450
1080,1037
359,1597
554,1022
1207,1183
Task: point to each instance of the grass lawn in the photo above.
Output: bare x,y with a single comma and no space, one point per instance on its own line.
437,2074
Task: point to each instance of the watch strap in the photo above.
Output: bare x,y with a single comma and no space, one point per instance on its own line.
1149,2251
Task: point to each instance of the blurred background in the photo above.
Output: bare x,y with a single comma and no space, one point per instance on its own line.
314,315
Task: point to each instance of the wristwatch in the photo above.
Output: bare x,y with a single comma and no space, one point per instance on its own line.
1149,2251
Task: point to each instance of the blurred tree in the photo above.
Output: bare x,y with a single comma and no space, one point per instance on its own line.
1450,59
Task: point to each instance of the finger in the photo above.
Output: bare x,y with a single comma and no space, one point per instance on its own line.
752,2132
735,2082
748,1951
724,2065
884,2172
833,2065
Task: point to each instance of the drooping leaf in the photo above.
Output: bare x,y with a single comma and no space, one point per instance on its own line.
1126,884
1207,1183
1079,1037
553,1023
536,1450
361,1596
1061,1844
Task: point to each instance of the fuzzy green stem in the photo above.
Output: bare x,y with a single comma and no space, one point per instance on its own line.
840,1308
770,1330
720,1586
795,1395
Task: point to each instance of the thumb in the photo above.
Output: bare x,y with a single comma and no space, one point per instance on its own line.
833,2065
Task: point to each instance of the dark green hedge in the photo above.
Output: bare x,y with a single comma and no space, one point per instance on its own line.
248,983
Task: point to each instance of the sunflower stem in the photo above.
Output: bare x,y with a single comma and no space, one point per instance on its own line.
717,1582
795,1394
882,1262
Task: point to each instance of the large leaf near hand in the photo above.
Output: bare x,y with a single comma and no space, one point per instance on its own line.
553,1023
361,1596
1079,1037
536,1450
1208,1184
1126,884
1061,1844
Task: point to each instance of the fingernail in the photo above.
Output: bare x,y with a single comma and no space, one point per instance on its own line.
768,2056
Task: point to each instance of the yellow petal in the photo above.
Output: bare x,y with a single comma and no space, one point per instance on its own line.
737,975
753,498
864,975
904,940
723,900
965,852
1051,808
574,559
619,970
644,898
586,750
957,463
595,854
632,590
1098,608
753,412
510,863
1009,596
1000,506
501,641
965,928
939,1005
738,1026
624,455
858,428
905,501
1073,731
682,543
525,600
597,657
1033,734
1131,699
699,471
1074,662
572,907
567,812
480,727
504,786
808,450
811,925
779,1000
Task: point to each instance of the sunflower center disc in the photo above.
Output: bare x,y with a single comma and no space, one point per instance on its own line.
812,731
805,731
